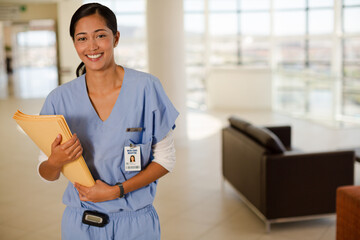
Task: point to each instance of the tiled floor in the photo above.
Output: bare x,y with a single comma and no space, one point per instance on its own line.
192,202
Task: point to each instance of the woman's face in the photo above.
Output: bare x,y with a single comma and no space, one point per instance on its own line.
94,42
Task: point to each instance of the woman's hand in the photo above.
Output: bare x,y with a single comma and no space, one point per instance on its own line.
100,192
62,154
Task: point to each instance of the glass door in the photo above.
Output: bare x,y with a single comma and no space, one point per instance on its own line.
34,58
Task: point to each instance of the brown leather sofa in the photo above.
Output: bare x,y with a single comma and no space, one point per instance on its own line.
277,182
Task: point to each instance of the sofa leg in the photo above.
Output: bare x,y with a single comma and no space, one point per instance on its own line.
267,226
222,184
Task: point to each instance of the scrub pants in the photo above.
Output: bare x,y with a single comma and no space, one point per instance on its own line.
142,224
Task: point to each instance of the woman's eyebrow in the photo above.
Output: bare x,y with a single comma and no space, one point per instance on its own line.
80,33
97,30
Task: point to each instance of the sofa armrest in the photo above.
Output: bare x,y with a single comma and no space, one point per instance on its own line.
241,163
283,133
300,184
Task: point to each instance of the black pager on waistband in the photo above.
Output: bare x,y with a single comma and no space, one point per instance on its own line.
95,218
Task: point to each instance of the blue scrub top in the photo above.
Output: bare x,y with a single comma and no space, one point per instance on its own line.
142,103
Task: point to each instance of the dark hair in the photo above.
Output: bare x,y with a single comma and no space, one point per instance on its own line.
87,10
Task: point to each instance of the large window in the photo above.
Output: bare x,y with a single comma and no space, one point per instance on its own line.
223,33
303,30
35,59
238,32
196,52
351,59
132,49
313,47
303,33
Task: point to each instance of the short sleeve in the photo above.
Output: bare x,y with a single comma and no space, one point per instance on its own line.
163,112
48,107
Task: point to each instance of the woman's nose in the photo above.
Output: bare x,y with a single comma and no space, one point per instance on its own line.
93,45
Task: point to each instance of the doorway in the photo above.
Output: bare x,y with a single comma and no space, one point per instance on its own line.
31,57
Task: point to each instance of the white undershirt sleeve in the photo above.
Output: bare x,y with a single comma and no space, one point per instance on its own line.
42,158
164,152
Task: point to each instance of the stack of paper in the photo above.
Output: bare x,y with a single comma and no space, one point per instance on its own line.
43,129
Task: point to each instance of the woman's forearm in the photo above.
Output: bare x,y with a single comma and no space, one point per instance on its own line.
150,174
164,161
164,153
101,191
48,171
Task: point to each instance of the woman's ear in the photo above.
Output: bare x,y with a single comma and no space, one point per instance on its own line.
116,38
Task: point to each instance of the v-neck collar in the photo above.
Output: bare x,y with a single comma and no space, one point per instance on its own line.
115,107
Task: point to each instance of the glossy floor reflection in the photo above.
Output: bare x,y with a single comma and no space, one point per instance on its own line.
193,202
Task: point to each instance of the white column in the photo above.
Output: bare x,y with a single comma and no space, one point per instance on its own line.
336,61
69,60
165,34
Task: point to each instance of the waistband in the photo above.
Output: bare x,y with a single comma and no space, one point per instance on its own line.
124,213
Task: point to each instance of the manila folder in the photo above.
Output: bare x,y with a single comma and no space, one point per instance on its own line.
43,129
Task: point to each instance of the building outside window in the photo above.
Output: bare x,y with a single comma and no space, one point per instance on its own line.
304,81
196,56
312,47
350,102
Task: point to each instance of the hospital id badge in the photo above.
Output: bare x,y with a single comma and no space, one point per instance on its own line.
132,158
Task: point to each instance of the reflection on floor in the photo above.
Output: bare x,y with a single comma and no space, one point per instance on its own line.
34,82
192,202
29,82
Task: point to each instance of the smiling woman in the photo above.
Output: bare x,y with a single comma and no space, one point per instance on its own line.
95,42
114,111
101,24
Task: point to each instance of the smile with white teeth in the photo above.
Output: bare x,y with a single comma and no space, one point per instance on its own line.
94,56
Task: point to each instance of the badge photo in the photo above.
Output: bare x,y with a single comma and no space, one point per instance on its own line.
132,158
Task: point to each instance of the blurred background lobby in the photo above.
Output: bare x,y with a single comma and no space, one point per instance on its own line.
271,62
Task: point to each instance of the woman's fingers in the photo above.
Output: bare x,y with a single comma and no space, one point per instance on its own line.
70,142
78,152
57,141
97,193
83,198
64,153
72,148
82,189
83,192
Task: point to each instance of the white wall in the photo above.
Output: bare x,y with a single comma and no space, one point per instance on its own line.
239,89
69,59
32,11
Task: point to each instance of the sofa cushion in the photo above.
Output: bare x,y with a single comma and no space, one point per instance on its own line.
266,138
238,123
